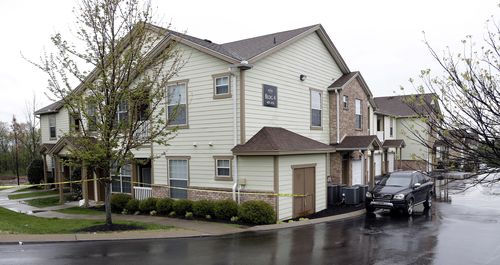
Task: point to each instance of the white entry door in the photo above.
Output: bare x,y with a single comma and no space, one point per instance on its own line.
390,158
357,172
378,164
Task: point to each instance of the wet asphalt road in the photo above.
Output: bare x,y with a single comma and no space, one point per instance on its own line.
466,231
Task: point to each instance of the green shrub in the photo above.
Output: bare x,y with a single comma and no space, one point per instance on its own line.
189,215
132,206
182,206
119,201
147,205
35,171
225,209
257,212
203,208
164,206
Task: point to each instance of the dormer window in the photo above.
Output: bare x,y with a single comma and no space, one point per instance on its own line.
52,127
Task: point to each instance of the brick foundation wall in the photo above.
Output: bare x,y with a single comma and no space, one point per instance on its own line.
411,165
226,194
160,192
336,167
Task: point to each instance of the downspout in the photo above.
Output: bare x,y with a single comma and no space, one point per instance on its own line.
235,135
242,66
337,95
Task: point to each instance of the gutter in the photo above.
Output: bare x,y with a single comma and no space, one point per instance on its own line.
337,95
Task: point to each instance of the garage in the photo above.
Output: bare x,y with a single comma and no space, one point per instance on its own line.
377,158
390,159
357,172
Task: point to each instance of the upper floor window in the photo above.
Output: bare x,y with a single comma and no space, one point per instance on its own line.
345,101
222,88
92,117
359,116
391,125
122,111
52,127
315,108
177,104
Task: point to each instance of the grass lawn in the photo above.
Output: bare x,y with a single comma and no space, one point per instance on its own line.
18,223
44,202
33,194
29,189
80,210
3,188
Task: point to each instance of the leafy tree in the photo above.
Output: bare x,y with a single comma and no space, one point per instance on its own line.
119,105
35,171
467,129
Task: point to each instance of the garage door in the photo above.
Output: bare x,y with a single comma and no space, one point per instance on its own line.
303,183
356,172
378,164
390,158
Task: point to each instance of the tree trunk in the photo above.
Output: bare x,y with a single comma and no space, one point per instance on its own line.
85,186
107,202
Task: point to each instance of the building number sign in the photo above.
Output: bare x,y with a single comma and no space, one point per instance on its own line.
270,96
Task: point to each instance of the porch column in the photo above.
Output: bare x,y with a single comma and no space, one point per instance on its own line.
85,186
45,171
59,179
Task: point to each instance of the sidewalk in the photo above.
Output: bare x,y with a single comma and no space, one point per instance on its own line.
182,227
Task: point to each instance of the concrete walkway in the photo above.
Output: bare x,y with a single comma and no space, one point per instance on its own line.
182,227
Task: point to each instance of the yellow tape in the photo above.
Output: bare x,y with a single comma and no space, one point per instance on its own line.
158,185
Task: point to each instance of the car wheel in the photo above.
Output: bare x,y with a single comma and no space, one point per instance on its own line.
409,207
428,201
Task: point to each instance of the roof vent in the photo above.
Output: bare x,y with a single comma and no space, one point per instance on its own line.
274,40
209,41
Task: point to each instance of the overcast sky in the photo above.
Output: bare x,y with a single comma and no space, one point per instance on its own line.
382,39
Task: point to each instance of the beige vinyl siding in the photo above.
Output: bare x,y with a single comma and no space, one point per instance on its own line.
210,122
282,69
258,171
62,126
142,152
414,150
286,178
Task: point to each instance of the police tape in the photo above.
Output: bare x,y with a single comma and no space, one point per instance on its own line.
139,184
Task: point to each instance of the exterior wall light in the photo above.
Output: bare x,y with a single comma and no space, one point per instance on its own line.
302,77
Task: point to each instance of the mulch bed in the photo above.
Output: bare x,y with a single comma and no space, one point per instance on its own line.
336,210
114,227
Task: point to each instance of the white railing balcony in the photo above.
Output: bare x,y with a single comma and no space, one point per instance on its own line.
142,193
380,136
142,132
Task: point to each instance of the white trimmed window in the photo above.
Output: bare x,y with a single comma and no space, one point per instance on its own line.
178,172
345,101
92,117
359,117
391,126
177,104
121,183
52,127
221,86
316,108
122,111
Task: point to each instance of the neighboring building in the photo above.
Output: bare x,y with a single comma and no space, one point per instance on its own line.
275,114
399,125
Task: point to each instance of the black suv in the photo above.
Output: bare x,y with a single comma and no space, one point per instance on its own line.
400,190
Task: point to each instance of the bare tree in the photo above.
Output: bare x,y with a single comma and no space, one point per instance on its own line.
466,131
32,140
119,105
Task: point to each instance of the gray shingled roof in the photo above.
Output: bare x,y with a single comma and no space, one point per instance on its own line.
249,48
357,142
341,81
276,140
398,106
394,143
52,108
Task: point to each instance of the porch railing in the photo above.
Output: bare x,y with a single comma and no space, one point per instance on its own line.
142,132
142,193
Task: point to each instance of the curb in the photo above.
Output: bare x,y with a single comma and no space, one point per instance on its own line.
180,233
